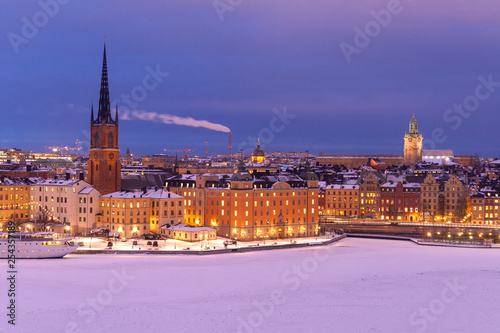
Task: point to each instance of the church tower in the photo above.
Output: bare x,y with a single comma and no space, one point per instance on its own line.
104,166
413,144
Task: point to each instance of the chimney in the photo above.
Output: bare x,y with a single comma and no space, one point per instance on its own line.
230,144
82,176
67,175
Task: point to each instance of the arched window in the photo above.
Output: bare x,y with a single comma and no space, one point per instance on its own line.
97,167
110,167
110,140
97,140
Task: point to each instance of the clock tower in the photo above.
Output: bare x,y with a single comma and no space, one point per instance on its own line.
104,166
413,144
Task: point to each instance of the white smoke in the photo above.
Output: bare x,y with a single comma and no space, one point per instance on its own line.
169,119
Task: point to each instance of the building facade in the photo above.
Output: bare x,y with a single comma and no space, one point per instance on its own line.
432,199
342,201
400,201
256,206
485,207
14,200
369,192
71,202
132,214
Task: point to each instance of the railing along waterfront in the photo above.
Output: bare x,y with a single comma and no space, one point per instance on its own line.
326,220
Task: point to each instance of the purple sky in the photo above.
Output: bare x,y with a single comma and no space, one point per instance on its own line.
263,55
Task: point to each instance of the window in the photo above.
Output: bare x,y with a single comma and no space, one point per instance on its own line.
97,140
110,139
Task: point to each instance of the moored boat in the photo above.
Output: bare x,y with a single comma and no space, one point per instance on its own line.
21,245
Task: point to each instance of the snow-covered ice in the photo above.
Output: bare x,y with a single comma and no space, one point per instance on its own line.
356,285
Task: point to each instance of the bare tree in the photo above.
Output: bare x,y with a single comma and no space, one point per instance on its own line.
43,220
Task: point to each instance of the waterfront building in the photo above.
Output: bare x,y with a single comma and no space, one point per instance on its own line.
255,206
72,202
134,213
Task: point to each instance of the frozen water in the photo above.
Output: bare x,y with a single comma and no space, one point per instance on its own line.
356,285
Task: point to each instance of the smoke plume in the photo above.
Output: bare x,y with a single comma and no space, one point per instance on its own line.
169,119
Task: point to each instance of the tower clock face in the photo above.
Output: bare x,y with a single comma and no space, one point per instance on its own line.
96,155
409,139
419,139
111,155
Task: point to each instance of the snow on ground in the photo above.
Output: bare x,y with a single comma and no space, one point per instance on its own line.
356,285
175,245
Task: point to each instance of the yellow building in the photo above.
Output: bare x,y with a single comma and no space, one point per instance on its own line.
14,200
457,200
342,200
485,207
369,192
134,213
188,233
432,204
444,198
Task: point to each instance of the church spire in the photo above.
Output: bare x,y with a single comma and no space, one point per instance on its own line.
92,112
104,105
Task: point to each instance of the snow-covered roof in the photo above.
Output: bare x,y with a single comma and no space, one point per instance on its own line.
150,193
185,227
413,185
437,153
58,182
20,181
86,190
342,187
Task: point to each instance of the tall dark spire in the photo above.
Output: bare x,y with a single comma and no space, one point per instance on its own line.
92,112
104,104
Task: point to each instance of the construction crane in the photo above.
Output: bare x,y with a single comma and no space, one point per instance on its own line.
60,149
55,149
184,151
77,145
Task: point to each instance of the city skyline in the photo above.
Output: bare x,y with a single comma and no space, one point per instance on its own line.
236,70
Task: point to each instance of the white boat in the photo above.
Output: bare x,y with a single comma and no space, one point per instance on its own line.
35,245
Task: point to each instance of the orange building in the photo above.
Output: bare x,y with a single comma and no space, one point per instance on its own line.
248,206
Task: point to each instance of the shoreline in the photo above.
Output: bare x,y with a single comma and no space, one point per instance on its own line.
250,248
423,242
